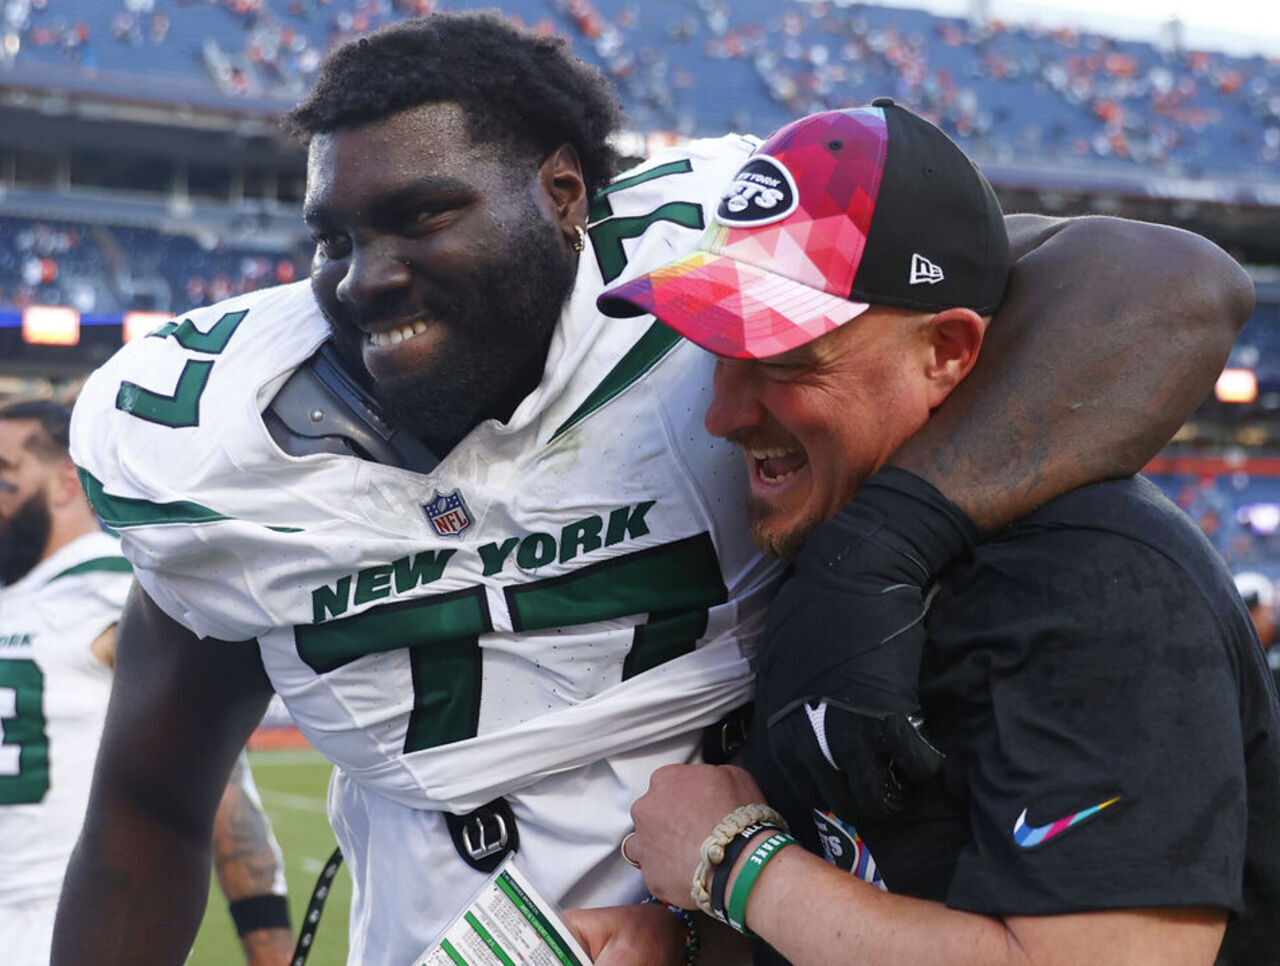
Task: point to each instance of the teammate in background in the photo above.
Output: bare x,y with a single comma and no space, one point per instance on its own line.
1259,595
65,583
1081,665
503,592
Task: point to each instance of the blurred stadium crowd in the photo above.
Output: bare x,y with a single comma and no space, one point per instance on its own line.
699,67
1044,100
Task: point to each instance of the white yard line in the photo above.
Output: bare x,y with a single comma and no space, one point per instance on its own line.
300,803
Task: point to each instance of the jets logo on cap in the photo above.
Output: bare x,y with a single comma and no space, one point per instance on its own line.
923,270
762,192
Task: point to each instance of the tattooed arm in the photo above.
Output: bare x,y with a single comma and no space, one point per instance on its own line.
250,869
1110,334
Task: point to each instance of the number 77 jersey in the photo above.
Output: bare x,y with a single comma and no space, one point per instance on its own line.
573,586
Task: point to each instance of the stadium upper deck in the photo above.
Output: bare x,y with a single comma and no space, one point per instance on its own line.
114,197
1006,93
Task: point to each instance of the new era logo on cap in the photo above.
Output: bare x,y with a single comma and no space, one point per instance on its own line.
819,225
923,270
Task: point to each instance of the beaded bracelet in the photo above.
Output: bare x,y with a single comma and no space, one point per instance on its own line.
692,939
714,844
742,886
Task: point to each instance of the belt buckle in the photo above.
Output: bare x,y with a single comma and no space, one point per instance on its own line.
485,848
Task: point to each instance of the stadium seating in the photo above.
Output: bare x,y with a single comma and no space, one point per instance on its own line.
1005,92
1238,511
113,269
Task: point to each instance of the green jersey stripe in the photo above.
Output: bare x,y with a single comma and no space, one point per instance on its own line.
640,358
122,511
114,565
119,512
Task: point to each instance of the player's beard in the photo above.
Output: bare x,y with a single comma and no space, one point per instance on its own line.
500,319
23,537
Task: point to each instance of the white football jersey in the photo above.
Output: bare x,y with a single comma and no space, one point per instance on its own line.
557,609
53,699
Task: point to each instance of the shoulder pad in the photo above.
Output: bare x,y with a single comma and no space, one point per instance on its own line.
322,409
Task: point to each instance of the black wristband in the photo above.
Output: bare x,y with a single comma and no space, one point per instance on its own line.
260,912
720,878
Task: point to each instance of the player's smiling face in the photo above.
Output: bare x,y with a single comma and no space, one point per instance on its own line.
438,264
815,422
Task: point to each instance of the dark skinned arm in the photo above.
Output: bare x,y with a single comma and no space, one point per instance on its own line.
181,709
1110,334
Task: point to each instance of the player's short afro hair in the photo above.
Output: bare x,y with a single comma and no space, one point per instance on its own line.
520,89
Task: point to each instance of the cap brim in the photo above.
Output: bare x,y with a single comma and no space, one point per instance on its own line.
731,308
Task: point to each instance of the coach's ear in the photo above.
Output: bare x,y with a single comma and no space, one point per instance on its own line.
561,178
955,336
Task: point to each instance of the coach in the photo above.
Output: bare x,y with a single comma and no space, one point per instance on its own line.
1107,758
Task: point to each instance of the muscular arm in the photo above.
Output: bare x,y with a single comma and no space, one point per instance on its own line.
1110,334
181,710
248,863
246,856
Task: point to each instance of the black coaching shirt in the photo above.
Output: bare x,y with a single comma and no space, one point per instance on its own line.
1111,728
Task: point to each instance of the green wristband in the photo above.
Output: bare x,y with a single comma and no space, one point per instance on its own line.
742,886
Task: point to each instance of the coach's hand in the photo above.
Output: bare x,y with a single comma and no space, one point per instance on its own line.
840,664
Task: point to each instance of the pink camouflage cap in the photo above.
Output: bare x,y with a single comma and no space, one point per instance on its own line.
834,213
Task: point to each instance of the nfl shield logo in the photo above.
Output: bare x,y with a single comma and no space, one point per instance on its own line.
448,513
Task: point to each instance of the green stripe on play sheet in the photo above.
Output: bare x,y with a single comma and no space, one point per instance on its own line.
488,940
452,953
537,920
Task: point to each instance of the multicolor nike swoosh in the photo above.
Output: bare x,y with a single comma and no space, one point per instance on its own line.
1029,836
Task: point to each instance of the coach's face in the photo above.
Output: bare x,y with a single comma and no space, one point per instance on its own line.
441,264
815,422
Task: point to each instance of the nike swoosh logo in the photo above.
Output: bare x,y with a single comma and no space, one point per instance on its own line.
1029,836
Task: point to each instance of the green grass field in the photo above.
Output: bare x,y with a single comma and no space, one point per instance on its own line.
293,786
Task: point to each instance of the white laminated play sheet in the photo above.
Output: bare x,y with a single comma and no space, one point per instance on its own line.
507,923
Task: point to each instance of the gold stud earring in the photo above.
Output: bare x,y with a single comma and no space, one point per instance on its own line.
580,242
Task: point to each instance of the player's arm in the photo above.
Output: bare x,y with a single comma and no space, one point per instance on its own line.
181,709
103,647
1110,334
250,871
246,857
818,915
